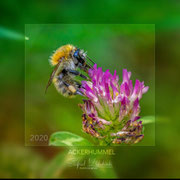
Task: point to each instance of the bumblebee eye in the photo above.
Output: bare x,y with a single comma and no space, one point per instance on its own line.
76,53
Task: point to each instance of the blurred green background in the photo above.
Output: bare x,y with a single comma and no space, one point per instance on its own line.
119,46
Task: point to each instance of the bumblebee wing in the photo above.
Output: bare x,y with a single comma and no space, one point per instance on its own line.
52,75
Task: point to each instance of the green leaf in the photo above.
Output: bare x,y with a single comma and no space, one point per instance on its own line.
64,138
147,120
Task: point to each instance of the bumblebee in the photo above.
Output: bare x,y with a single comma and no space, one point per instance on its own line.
67,60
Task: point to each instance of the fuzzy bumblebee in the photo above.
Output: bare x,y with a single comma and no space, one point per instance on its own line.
67,60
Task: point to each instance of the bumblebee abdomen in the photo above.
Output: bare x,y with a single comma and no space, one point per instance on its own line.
62,88
63,51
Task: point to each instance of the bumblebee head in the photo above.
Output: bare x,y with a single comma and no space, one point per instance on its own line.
81,59
80,55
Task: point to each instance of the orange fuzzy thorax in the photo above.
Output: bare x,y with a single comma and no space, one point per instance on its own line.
63,51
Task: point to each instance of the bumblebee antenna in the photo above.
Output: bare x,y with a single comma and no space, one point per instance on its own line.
90,59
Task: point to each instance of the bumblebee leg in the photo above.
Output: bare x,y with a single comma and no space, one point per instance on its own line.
73,89
79,85
85,67
77,73
79,92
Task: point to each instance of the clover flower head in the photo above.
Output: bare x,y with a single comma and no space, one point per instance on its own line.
111,112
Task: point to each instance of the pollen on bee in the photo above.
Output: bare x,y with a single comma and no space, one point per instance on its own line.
72,89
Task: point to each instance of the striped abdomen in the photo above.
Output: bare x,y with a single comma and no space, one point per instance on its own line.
62,88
